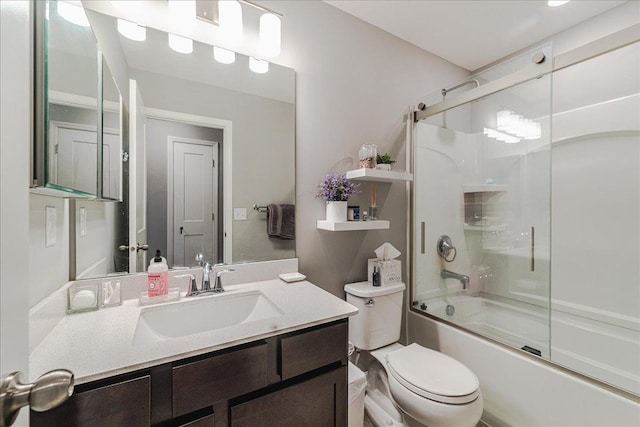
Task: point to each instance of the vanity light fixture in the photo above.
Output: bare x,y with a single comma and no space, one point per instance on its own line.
132,30
224,56
258,66
180,44
270,35
73,12
230,20
182,12
556,3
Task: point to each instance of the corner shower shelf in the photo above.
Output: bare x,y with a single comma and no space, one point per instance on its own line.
484,188
352,225
376,175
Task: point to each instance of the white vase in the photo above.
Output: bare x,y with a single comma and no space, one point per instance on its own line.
336,211
383,166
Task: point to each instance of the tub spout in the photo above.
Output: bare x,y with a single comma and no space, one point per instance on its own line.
463,278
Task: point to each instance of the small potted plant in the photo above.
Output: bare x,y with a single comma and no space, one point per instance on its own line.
336,189
384,162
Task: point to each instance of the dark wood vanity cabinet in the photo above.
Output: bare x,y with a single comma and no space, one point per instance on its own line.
294,379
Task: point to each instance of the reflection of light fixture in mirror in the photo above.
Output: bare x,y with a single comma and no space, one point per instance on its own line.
182,12
556,3
230,17
508,139
180,44
73,12
513,124
269,35
132,31
223,56
258,66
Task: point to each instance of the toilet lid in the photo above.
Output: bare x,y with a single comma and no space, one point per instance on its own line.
433,375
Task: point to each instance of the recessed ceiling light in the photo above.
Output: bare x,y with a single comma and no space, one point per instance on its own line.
556,3
180,44
73,12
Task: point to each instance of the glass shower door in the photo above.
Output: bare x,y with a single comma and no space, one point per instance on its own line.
482,178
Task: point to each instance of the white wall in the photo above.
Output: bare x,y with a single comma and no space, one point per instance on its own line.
15,129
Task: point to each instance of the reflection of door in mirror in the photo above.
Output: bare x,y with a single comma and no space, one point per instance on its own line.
193,187
137,199
184,189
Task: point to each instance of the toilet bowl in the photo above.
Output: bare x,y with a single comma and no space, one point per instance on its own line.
408,385
430,387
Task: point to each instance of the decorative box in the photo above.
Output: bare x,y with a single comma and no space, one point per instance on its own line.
390,271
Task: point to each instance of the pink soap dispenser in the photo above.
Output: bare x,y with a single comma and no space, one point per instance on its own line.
158,276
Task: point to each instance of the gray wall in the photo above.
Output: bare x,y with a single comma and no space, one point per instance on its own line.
354,84
157,133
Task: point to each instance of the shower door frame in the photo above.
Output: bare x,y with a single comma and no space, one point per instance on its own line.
609,43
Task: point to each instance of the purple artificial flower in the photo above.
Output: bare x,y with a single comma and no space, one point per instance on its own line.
336,188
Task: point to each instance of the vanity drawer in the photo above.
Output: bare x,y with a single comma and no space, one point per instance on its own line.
201,383
126,403
314,349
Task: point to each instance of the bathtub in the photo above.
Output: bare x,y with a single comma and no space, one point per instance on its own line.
580,341
517,325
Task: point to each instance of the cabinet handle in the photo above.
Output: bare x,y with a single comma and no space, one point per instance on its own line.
422,237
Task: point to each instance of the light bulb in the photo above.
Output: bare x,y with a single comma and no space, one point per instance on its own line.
230,18
270,38
180,44
132,31
258,66
224,56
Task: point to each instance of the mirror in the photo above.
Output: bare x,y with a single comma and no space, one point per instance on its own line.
185,112
71,96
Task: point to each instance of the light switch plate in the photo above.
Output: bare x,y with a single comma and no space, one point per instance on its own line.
83,222
240,214
51,226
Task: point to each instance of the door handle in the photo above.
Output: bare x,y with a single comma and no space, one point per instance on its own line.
50,390
123,248
143,247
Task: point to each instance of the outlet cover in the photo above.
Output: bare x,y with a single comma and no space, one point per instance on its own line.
240,214
83,222
51,226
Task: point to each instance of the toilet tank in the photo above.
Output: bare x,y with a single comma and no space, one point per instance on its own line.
377,323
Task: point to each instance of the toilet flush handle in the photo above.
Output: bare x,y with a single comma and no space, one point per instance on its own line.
370,303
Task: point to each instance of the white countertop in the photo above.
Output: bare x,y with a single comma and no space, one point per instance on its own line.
99,344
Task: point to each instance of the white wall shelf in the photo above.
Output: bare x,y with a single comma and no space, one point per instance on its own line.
376,175
353,225
483,188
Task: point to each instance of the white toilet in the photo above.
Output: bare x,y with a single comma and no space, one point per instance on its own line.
409,385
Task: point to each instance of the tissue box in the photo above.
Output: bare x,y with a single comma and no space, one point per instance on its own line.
390,271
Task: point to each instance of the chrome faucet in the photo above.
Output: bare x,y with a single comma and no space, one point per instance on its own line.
463,278
206,282
193,287
217,286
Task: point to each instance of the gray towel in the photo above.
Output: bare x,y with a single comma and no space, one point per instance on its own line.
281,221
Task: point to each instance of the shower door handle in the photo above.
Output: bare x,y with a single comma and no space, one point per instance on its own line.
533,248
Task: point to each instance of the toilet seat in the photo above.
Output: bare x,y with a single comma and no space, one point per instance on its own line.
433,375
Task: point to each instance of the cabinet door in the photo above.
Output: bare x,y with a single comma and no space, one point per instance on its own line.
127,403
317,402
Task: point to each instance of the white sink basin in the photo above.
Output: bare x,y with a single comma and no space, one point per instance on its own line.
201,314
